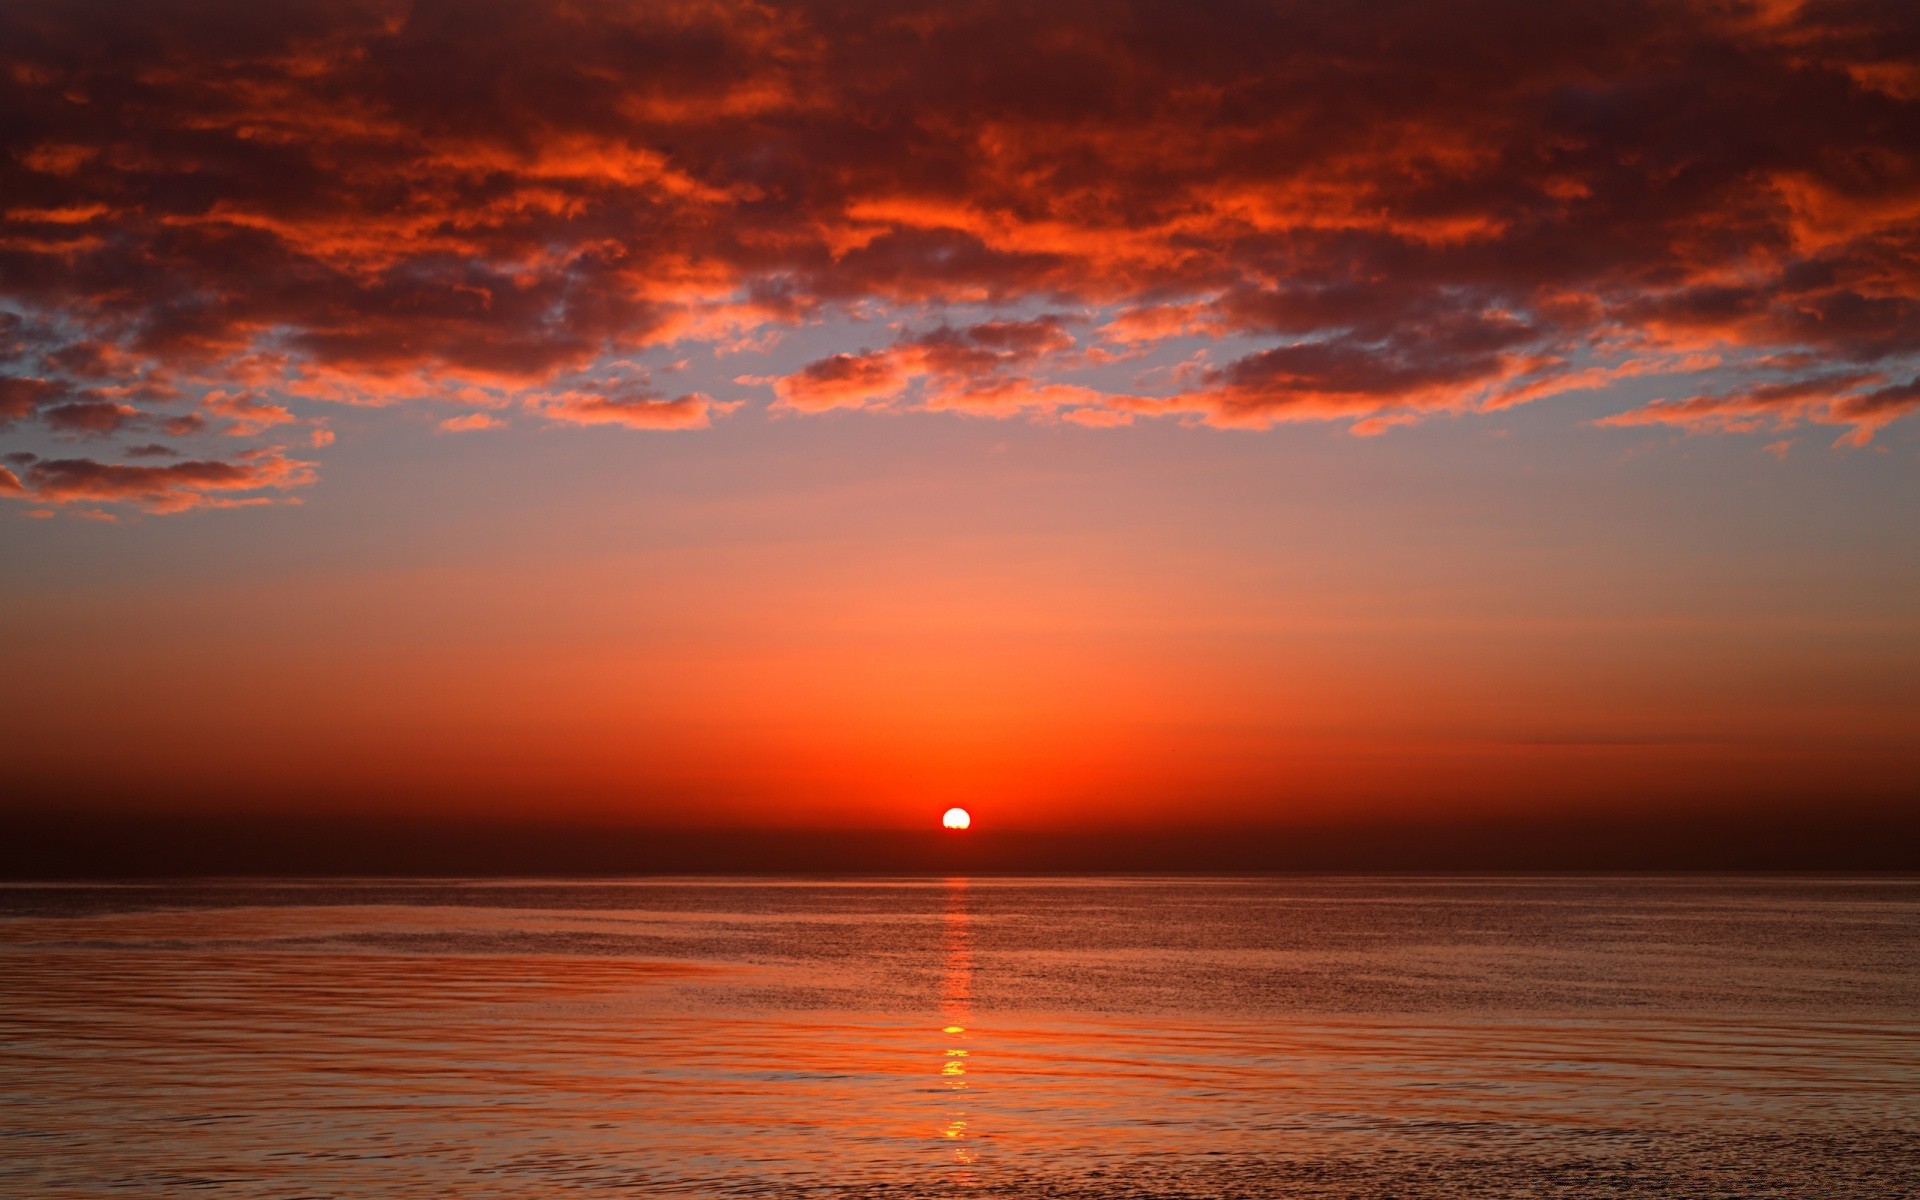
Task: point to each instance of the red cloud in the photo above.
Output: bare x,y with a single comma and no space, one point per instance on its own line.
374,200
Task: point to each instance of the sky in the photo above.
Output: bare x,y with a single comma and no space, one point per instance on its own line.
814,415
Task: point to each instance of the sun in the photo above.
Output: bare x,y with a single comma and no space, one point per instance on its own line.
956,818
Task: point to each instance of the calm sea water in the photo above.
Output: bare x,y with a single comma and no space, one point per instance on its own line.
1058,1038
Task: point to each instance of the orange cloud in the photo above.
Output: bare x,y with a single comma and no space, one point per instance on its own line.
691,411
843,381
246,415
471,422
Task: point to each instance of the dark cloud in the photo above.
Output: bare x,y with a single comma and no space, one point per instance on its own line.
19,397
13,342
1839,399
173,488
1414,206
1429,359
953,365
90,417
1881,404
86,359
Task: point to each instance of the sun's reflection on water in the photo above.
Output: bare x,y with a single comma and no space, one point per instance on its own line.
422,1041
956,1013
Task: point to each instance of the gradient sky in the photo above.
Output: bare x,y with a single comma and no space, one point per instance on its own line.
820,414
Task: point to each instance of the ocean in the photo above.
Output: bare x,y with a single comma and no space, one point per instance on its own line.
1047,1037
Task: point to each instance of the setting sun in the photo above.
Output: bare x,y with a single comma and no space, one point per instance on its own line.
956,818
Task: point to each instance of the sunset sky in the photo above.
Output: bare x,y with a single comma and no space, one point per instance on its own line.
817,415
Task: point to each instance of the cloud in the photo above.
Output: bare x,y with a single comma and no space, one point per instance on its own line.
1384,214
90,417
1839,399
176,487
246,415
630,411
844,381
20,397
951,365
471,422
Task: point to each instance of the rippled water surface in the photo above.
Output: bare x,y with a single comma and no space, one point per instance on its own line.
1059,1038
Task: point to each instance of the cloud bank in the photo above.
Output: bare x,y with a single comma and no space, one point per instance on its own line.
221,218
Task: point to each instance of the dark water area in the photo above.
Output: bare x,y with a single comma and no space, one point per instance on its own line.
1086,1037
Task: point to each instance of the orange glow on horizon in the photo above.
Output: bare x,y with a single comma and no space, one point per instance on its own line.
1132,437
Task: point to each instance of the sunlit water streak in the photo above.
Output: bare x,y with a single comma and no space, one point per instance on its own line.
987,1037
